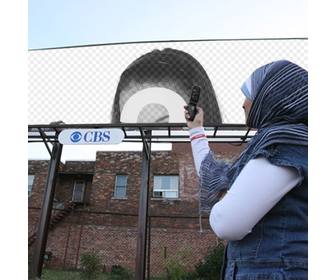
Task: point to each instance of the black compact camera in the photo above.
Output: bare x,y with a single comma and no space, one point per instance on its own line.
192,105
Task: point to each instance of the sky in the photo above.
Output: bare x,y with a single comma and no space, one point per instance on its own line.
83,22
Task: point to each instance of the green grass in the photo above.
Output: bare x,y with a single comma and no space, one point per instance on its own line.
51,274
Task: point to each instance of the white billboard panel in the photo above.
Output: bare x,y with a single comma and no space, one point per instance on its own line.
78,85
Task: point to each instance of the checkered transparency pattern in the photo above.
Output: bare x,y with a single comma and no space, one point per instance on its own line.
78,85
172,69
153,112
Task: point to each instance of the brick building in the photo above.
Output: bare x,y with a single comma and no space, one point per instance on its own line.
96,208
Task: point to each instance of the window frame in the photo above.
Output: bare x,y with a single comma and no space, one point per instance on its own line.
30,187
115,187
178,197
83,192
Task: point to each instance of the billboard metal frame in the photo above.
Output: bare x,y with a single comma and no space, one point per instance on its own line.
174,133
170,41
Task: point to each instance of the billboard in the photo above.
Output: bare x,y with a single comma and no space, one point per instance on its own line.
148,82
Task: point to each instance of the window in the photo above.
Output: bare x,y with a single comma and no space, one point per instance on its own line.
120,186
166,186
78,191
30,184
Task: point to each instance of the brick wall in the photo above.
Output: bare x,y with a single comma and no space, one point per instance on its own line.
109,226
117,245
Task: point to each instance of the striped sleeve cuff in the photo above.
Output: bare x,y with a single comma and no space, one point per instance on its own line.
196,133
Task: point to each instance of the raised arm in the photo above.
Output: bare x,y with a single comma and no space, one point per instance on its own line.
212,173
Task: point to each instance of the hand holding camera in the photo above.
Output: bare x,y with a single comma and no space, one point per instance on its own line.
192,113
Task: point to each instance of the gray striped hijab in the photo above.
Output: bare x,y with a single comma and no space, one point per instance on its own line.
279,95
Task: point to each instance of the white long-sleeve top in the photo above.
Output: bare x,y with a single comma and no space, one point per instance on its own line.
257,189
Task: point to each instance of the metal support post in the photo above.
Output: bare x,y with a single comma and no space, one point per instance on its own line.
43,135
42,232
143,209
148,247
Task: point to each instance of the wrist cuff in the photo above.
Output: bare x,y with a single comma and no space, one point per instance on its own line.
197,136
196,130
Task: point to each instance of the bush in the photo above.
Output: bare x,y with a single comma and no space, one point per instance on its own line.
211,266
175,270
120,273
90,265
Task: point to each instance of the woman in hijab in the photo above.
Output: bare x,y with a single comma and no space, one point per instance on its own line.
263,214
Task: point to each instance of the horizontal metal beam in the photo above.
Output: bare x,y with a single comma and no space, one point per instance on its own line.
229,141
229,126
173,132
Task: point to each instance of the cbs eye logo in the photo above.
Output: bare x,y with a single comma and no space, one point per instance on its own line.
76,136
